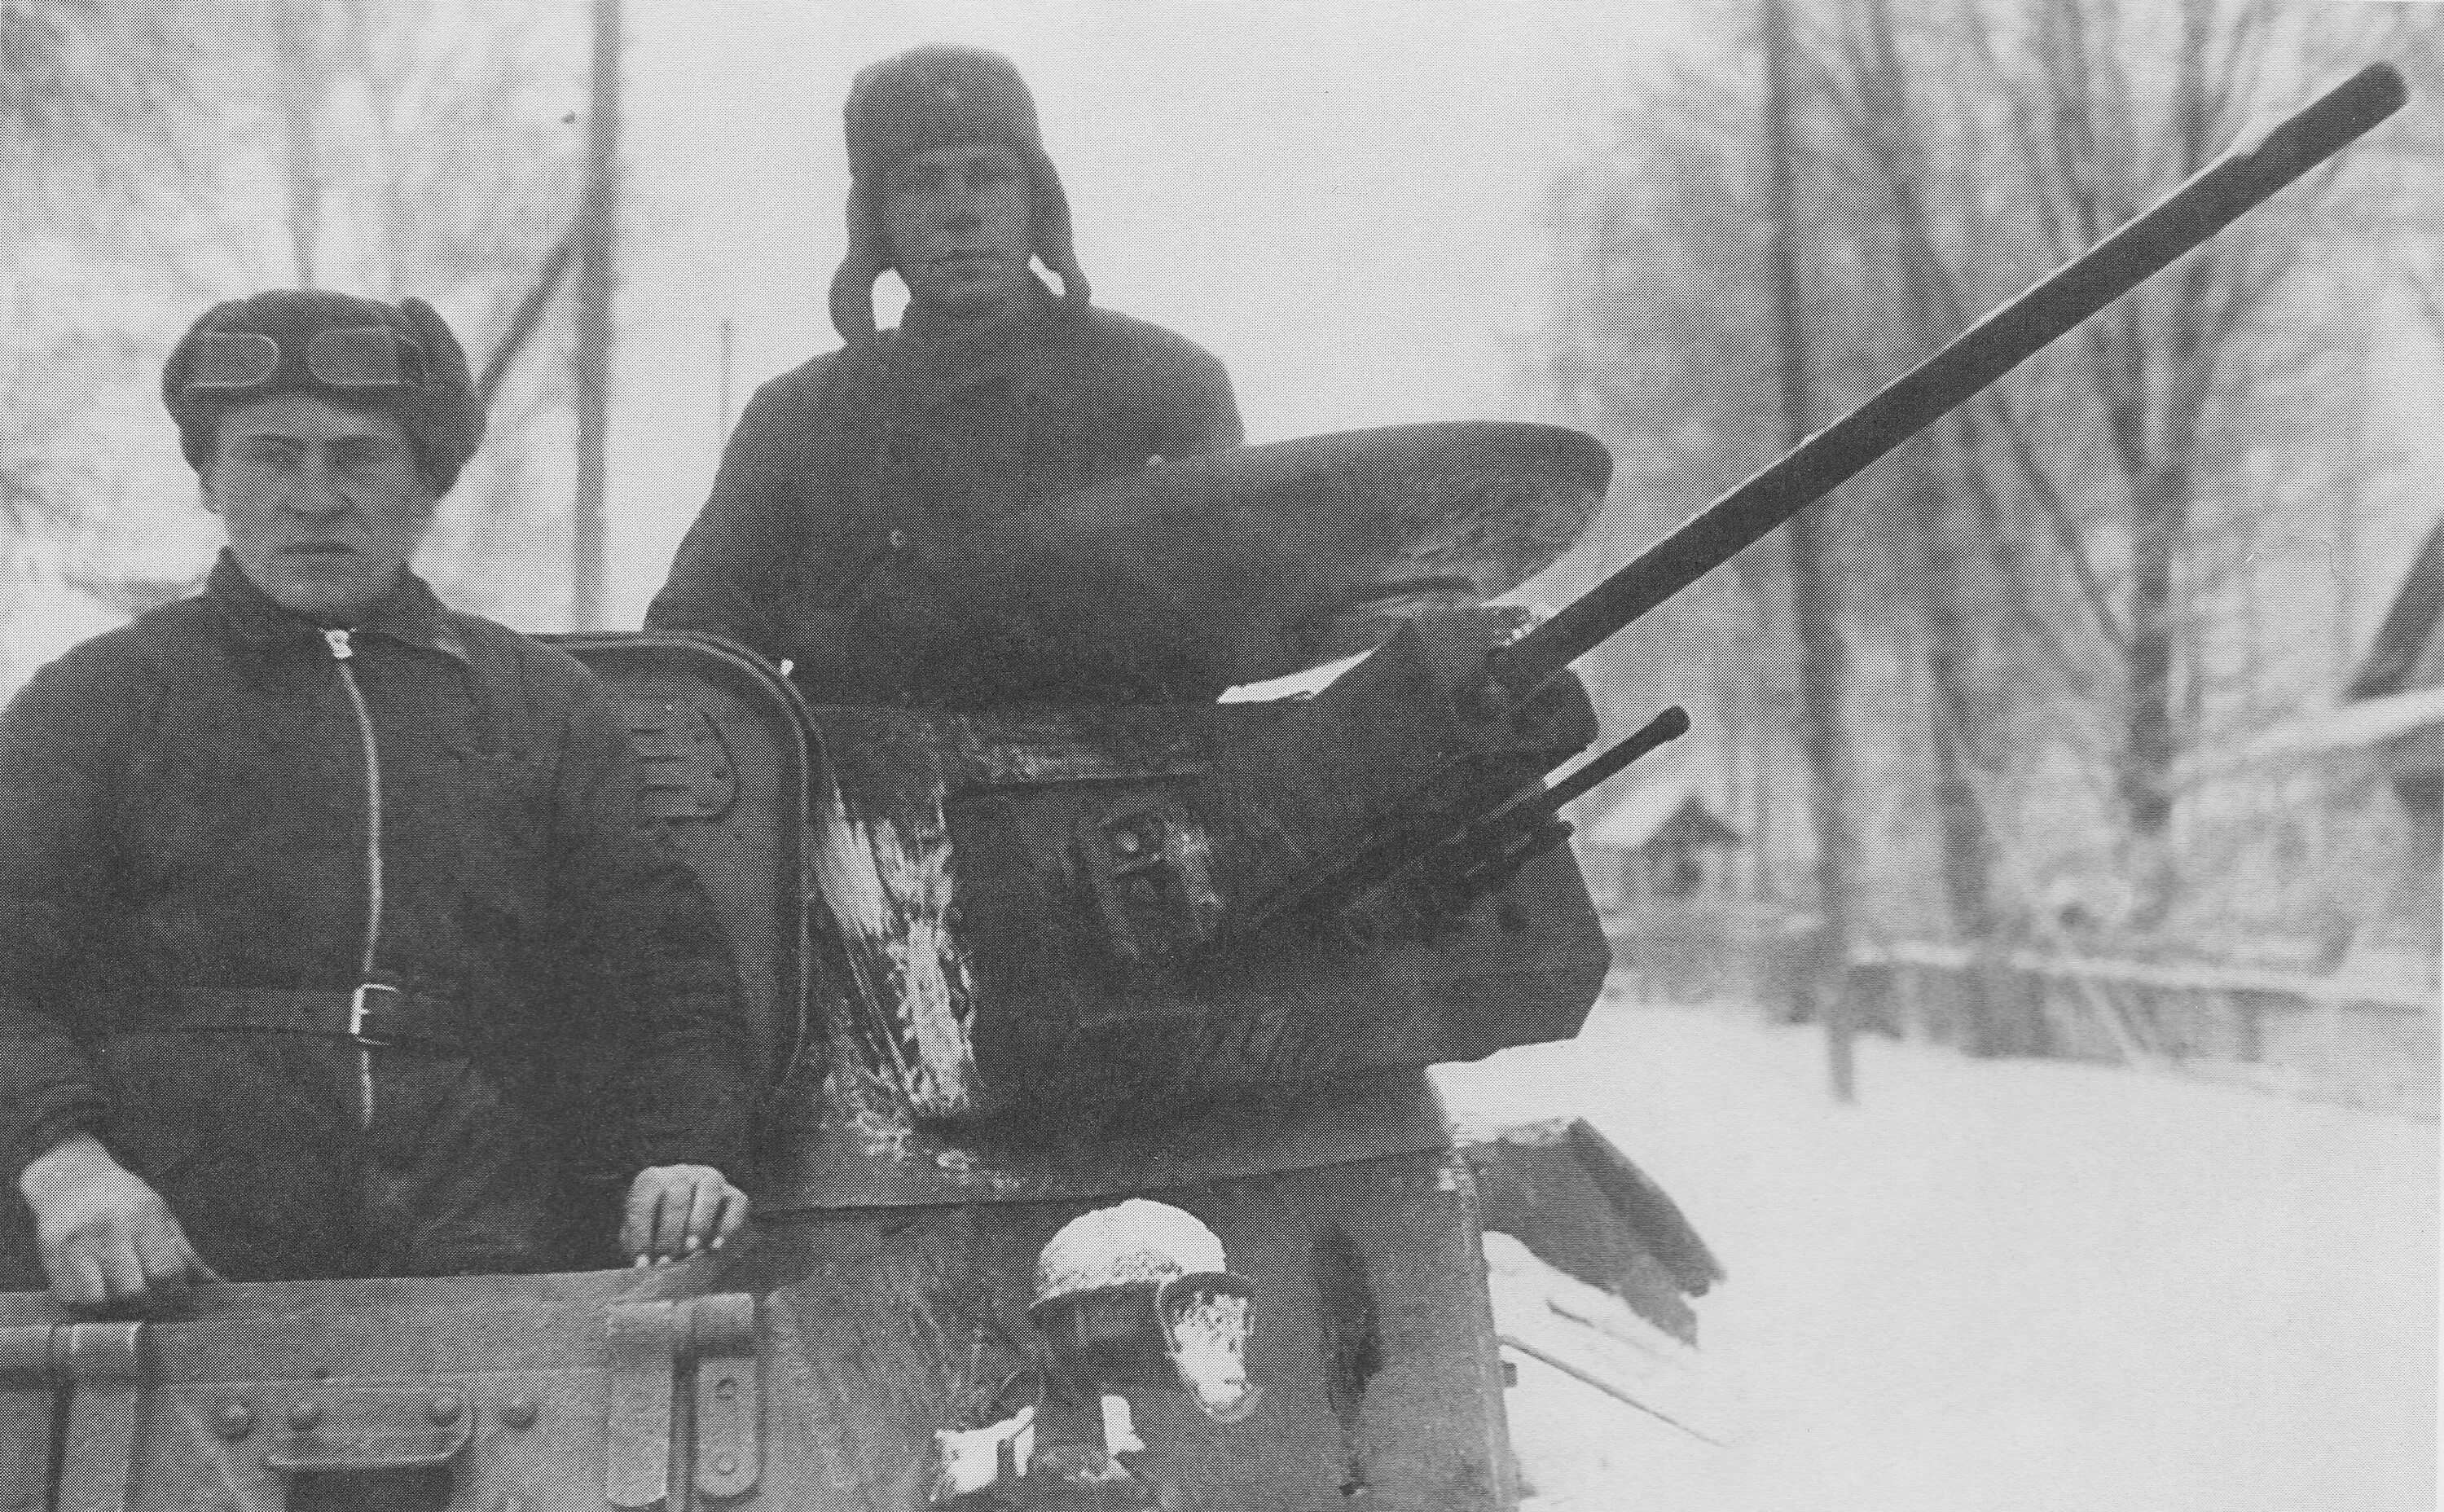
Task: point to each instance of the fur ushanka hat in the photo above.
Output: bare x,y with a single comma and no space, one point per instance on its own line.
940,96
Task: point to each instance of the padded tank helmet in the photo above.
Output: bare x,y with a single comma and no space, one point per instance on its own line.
1136,1292
359,353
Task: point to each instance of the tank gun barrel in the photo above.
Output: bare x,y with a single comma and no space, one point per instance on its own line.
2211,200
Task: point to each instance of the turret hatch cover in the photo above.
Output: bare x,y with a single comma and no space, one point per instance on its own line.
1251,563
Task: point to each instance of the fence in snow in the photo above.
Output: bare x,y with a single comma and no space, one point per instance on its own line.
2362,1040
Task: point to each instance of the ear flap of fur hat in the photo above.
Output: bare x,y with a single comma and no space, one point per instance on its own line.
940,96
1053,242
869,258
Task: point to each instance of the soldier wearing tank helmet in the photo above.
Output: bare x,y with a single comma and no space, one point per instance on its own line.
848,476
310,885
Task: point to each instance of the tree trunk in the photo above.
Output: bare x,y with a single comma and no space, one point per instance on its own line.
1814,601
1967,839
1939,578
2158,519
297,56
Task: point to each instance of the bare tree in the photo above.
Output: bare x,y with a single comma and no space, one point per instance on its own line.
419,148
1658,253
90,95
2073,562
301,64
86,87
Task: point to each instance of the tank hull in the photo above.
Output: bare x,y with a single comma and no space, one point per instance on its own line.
878,1336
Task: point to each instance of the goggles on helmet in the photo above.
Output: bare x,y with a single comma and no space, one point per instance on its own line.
343,357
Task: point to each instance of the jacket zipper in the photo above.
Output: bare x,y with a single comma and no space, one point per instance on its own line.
344,652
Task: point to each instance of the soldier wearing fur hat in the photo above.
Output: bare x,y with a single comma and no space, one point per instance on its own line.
309,883
847,476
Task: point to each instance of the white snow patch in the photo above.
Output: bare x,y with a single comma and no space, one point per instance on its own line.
1209,1351
891,891
1138,1240
1544,1314
2001,1284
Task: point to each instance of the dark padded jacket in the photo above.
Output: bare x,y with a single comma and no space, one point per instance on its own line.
184,803
854,468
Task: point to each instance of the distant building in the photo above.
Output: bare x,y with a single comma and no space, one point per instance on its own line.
2393,708
2391,715
2395,703
1659,843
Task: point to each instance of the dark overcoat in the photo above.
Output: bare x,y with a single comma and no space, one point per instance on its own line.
850,475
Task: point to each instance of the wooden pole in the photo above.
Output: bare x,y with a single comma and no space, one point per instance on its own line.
596,281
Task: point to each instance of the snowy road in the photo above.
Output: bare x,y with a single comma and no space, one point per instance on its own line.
2002,1285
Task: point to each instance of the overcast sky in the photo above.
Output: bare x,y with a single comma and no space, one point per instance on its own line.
1338,200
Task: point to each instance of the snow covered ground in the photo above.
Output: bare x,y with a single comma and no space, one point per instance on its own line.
2001,1285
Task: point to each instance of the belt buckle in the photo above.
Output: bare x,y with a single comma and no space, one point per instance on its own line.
358,1008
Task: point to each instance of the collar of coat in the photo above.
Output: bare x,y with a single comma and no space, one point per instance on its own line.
931,356
409,614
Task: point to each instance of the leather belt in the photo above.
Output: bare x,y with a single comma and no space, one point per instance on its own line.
372,1014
